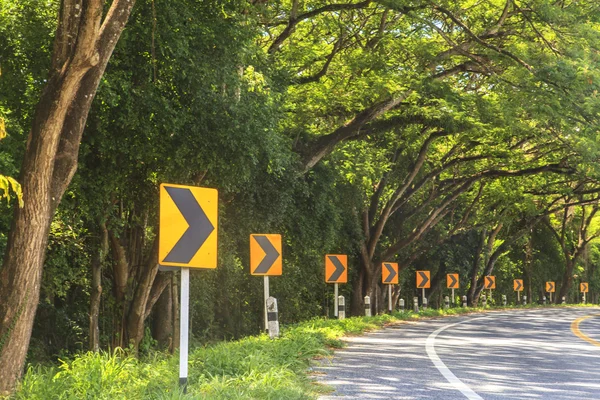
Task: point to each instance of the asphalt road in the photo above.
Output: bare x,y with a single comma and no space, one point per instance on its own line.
518,354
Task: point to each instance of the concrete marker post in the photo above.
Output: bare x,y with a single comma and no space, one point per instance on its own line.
446,302
504,300
464,301
367,306
524,299
544,300
266,286
424,303
273,317
564,301
483,301
402,305
335,301
341,307
415,304
184,328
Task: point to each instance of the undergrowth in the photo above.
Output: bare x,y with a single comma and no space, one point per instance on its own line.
252,368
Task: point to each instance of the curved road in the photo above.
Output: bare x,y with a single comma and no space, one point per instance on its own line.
519,354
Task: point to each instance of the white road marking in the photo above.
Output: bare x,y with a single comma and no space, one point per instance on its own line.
444,370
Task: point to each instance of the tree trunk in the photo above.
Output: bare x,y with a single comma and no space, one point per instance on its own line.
96,292
162,322
82,48
567,279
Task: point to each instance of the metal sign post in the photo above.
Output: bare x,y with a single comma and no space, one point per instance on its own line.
452,296
390,298
266,280
184,328
335,303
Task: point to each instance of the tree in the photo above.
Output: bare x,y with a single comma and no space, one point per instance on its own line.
84,41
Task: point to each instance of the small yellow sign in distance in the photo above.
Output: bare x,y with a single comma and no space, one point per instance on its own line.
518,285
550,287
583,287
389,273
489,282
265,254
452,281
336,268
423,280
188,226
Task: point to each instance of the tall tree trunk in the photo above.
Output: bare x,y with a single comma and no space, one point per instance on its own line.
567,279
82,47
96,292
162,321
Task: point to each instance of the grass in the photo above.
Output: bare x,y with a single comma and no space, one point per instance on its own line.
252,368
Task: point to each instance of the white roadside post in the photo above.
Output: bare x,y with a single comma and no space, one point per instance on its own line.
544,300
342,307
504,300
367,306
446,302
183,328
273,317
524,299
464,301
564,301
424,303
483,301
416,304
402,305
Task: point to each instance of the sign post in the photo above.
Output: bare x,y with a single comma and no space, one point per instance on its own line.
187,238
583,288
184,326
550,288
452,282
266,260
518,286
336,271
423,282
489,282
389,276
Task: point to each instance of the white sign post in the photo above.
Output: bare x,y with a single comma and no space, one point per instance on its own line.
184,328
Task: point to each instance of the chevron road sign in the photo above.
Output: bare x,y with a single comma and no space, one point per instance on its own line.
452,281
389,273
265,254
489,282
188,226
583,287
518,285
336,268
187,238
550,287
423,280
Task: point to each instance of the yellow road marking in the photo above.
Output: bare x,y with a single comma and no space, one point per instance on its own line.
581,335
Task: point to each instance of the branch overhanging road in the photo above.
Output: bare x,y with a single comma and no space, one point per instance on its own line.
516,354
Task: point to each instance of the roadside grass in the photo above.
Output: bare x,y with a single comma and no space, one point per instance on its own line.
251,368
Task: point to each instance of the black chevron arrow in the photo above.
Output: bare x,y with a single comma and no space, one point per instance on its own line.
271,254
199,226
339,268
519,284
424,279
392,274
454,281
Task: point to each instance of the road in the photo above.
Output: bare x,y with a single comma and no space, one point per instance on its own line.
516,354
